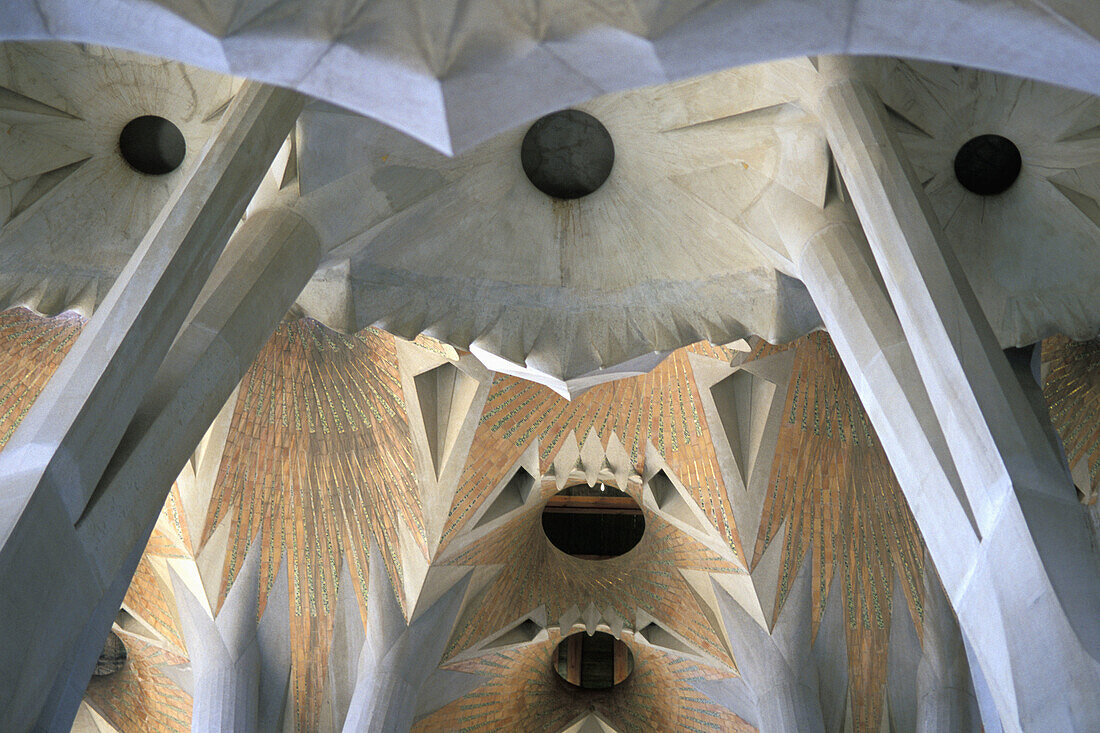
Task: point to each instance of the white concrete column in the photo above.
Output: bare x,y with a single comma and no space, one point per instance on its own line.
1026,585
224,653
68,436
240,664
397,659
111,390
777,690
265,265
994,573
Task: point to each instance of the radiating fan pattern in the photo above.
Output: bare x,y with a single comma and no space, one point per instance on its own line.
1072,392
647,578
318,462
72,211
1030,252
524,694
140,696
662,408
32,348
832,489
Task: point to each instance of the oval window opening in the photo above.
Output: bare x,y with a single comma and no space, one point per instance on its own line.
597,662
593,522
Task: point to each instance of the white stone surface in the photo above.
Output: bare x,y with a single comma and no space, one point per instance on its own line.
776,667
453,74
398,657
945,695
571,294
1021,572
567,293
222,336
72,211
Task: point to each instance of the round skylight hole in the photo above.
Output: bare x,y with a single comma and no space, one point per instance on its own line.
988,164
597,662
152,145
567,154
593,522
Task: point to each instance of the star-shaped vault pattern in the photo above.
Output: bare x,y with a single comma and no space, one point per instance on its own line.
646,578
662,407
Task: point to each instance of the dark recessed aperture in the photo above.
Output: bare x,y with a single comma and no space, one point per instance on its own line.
988,164
152,145
593,522
567,154
112,658
597,662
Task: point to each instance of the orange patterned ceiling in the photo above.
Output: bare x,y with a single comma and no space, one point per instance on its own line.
319,464
832,489
523,693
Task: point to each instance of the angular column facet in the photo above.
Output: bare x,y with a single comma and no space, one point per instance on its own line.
945,695
264,267
398,658
777,671
1020,572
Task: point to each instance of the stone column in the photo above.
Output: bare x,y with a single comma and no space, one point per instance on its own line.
239,664
224,653
777,668
398,658
989,491
265,265
110,417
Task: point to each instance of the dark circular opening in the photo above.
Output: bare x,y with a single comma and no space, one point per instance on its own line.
567,154
152,145
597,662
988,164
112,658
593,522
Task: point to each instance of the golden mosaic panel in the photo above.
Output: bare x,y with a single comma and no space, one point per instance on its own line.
662,407
1072,391
318,463
833,487
647,577
523,693
31,350
140,698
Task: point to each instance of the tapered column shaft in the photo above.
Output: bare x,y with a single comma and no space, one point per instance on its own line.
57,552
997,523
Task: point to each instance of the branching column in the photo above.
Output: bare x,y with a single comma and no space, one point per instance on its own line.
989,490
777,667
239,664
88,468
397,659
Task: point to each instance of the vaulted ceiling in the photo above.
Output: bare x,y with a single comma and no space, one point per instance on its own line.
363,468
469,346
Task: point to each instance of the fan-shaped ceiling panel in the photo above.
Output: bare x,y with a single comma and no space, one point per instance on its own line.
72,209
